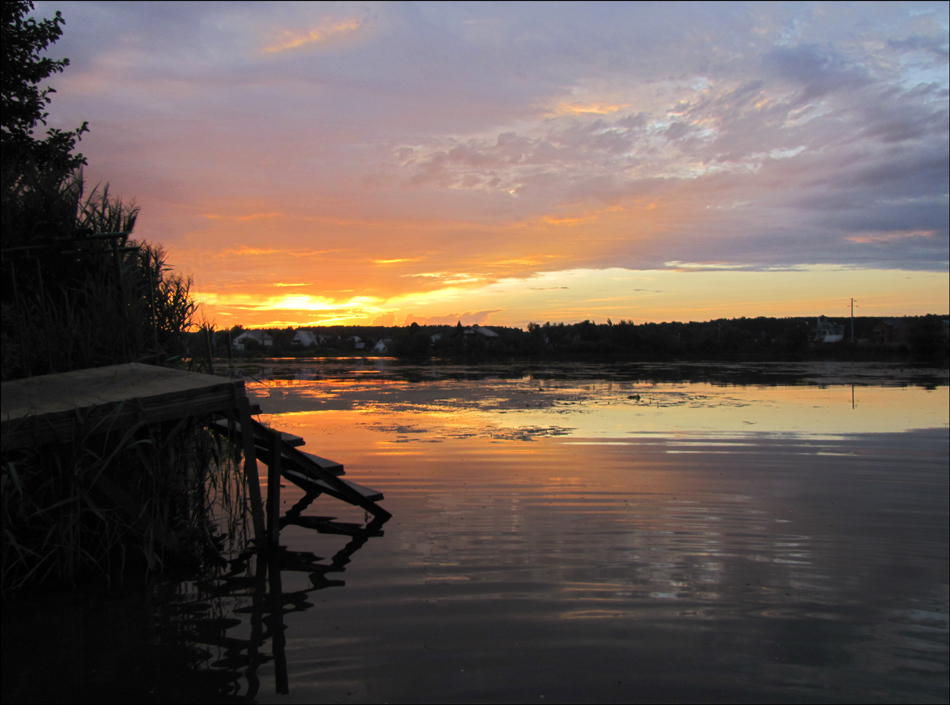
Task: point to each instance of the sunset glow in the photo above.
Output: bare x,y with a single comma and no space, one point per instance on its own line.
312,163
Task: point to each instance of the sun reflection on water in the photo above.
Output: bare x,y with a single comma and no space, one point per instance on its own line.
772,530
519,409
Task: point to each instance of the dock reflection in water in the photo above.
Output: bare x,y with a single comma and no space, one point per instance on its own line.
200,640
250,594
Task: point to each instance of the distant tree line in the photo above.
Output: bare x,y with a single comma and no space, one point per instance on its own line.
741,339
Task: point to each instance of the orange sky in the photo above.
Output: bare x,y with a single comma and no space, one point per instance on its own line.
387,163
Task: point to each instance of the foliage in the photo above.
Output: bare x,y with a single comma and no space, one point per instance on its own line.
745,339
927,337
24,103
77,292
85,301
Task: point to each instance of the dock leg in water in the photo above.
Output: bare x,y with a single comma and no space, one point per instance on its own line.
273,489
250,469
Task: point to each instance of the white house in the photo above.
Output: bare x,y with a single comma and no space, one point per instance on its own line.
828,332
305,338
478,330
262,338
383,346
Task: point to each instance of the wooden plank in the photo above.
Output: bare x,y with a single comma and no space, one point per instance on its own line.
313,476
345,490
325,464
301,459
308,462
287,439
311,483
368,493
62,406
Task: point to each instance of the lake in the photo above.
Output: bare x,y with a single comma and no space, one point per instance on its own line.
567,532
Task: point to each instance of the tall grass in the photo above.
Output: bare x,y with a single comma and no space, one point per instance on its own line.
73,299
78,292
115,500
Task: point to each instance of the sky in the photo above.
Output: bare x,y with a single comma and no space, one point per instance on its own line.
503,163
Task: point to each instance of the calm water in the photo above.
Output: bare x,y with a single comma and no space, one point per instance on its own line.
588,533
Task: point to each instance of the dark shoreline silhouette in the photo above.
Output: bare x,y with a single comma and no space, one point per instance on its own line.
919,338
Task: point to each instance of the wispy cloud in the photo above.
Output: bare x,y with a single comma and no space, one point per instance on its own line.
293,39
398,260
891,236
588,108
241,218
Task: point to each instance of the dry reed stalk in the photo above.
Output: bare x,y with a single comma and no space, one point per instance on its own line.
115,498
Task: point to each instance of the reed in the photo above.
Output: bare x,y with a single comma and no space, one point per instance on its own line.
78,292
74,299
116,500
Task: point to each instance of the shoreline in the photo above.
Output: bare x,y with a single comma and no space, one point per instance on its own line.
865,373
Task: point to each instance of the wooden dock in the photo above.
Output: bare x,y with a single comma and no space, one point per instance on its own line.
60,407
70,405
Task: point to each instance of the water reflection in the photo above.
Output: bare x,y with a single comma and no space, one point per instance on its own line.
722,374
232,621
592,408
580,537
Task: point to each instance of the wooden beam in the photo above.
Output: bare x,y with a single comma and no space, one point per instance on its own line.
273,489
251,474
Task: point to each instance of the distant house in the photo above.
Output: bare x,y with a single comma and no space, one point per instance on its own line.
262,338
891,330
305,338
828,332
476,330
383,346
469,334
357,342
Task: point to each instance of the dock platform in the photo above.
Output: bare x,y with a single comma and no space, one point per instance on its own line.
69,405
60,407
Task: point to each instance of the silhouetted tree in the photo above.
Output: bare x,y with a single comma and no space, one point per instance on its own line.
24,103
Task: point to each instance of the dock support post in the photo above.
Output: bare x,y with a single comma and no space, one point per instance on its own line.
273,489
277,629
250,469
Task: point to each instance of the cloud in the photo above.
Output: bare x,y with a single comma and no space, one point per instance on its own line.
890,236
293,39
934,44
397,260
466,318
817,70
252,216
401,149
